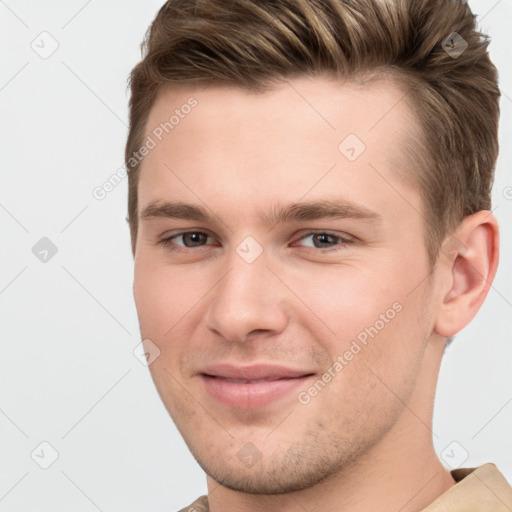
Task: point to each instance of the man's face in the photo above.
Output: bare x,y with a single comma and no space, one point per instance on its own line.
293,302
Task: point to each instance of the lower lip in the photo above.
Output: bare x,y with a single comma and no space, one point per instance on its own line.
251,395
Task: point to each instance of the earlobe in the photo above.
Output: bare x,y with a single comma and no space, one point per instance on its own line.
469,258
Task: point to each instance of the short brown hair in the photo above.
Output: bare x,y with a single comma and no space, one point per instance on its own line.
254,44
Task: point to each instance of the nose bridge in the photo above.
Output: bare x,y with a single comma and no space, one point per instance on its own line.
248,297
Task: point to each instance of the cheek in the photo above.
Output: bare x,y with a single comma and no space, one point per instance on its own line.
348,301
370,319
169,301
163,296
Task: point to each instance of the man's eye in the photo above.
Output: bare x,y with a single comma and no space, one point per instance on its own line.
326,242
190,239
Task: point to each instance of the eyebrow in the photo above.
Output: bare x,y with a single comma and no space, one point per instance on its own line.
278,214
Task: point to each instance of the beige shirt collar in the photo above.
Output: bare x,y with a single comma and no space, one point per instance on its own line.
477,490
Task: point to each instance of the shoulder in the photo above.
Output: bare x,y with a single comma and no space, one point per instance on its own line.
200,505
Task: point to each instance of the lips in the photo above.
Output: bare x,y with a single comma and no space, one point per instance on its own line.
255,386
253,372
245,381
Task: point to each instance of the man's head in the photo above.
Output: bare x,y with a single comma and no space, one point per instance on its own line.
451,88
287,223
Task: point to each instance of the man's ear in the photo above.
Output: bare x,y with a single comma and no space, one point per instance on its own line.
468,261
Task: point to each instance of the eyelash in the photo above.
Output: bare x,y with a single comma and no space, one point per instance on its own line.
166,242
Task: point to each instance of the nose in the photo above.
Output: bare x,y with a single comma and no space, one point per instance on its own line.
248,301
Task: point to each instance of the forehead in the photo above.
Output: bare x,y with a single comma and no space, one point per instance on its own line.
229,143
365,105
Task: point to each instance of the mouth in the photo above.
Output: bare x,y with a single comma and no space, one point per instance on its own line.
252,387
245,381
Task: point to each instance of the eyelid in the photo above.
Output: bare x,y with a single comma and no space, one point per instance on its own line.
336,234
344,239
167,240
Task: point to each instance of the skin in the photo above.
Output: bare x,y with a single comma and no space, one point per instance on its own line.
365,441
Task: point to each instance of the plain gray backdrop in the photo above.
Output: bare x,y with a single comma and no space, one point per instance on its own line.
82,427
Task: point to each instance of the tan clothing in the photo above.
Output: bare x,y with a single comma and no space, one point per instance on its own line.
482,489
477,489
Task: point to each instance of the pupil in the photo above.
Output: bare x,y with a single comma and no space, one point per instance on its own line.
196,237
324,237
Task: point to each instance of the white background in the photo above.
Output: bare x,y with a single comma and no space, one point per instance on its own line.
68,375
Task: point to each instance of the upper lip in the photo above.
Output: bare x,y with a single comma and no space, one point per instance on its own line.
253,371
